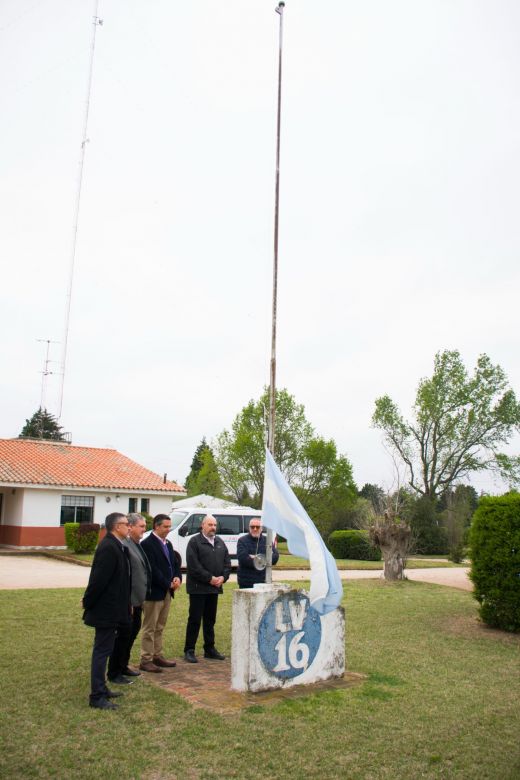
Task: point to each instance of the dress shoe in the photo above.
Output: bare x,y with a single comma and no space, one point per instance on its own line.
160,661
190,657
148,666
130,672
112,694
214,655
102,704
120,680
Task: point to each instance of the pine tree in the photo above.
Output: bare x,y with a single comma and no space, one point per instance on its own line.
42,425
203,476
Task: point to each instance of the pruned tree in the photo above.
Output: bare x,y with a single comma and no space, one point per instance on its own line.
460,424
42,425
394,537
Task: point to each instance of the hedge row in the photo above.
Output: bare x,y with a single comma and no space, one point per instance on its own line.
354,545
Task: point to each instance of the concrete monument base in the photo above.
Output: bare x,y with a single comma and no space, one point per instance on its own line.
279,640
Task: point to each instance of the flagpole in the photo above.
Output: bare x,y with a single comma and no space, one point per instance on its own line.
272,390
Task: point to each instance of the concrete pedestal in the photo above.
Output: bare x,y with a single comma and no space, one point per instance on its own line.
279,640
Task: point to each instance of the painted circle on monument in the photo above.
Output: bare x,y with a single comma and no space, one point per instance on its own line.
289,635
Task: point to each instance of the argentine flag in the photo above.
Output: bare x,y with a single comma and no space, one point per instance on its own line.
283,513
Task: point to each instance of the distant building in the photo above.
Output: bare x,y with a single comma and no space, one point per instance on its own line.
45,484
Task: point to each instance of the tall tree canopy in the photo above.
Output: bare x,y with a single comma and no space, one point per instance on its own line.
459,425
321,477
42,425
203,476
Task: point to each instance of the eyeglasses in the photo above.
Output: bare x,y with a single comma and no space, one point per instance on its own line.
122,522
254,527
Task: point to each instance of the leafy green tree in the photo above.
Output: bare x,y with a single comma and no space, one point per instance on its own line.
375,495
203,476
361,514
196,463
42,425
207,480
240,452
458,507
320,477
459,425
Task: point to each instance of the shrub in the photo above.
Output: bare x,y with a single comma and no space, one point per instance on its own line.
71,530
495,560
456,554
355,545
86,538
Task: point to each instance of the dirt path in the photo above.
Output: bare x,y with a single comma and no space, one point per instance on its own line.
34,572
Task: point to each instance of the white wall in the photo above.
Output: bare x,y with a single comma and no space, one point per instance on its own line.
102,507
40,507
13,506
32,507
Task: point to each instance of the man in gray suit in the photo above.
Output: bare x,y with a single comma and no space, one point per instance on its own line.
118,669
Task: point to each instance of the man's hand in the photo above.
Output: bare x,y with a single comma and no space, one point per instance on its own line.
176,583
216,581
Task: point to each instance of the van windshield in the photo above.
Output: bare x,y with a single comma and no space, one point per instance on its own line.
177,518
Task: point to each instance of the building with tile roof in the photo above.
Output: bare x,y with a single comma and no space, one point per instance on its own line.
44,484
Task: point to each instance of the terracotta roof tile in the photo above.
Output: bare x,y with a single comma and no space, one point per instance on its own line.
32,462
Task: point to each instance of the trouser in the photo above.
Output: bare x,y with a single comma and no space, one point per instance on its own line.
104,639
203,607
125,638
155,615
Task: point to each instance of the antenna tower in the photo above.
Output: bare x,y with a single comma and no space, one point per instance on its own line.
96,22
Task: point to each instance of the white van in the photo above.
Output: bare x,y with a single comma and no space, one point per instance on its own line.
232,523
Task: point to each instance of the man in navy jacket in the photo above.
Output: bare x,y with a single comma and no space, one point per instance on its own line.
248,548
106,602
166,579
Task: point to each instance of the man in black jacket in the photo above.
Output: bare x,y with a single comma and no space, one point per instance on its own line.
248,548
106,602
208,566
118,669
166,579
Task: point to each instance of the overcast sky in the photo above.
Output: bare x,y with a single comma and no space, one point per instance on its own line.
399,224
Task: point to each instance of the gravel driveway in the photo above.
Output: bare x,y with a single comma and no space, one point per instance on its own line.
31,571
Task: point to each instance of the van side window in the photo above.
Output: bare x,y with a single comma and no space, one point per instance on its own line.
228,524
193,524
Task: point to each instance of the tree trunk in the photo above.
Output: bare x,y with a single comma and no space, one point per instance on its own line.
393,538
394,564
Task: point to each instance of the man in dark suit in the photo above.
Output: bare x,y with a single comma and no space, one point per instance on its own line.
166,579
118,669
106,602
208,566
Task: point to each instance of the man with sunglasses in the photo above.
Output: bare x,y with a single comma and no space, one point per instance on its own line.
106,602
248,548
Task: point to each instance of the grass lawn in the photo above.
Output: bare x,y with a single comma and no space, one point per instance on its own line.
441,699
288,561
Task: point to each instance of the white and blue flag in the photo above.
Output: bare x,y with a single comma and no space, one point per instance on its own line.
283,513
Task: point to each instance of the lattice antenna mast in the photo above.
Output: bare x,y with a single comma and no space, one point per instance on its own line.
272,389
46,372
96,22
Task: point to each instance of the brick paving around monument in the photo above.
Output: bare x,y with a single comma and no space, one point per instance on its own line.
208,685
